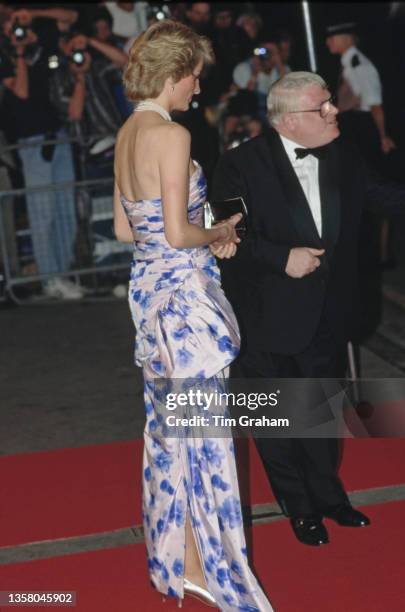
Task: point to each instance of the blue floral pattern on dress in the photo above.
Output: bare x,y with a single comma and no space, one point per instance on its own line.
186,329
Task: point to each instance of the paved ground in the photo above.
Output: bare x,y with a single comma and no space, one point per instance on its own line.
67,376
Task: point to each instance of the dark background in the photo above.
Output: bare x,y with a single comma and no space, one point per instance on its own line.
381,38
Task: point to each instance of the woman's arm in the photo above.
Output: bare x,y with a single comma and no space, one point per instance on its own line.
122,229
174,160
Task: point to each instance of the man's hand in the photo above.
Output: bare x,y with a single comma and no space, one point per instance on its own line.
77,43
23,16
303,261
387,144
20,45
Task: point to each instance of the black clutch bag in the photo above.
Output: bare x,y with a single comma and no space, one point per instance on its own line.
223,209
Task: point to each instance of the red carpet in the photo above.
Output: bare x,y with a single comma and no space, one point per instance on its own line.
71,492
367,463
361,570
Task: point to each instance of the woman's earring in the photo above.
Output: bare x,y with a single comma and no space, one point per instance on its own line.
172,88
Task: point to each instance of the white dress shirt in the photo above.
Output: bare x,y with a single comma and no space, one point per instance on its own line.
306,170
362,77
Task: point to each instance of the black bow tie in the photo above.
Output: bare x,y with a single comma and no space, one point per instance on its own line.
318,152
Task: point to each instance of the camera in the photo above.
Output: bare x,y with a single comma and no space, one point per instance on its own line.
262,52
78,57
53,62
19,31
159,11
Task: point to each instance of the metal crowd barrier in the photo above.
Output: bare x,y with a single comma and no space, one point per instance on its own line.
82,141
101,211
95,248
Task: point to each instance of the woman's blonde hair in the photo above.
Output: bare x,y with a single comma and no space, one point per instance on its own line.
166,49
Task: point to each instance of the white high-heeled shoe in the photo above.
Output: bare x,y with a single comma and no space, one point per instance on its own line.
199,593
195,591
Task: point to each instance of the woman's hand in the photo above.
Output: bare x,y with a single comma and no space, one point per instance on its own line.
225,248
228,232
224,251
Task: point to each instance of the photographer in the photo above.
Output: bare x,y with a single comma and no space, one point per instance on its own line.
31,120
259,72
262,69
82,89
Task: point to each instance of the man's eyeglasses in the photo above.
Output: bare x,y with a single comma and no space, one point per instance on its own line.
324,109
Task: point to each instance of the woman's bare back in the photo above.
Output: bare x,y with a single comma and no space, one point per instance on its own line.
140,145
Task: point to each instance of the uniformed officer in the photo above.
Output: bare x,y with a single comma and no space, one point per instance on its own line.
359,100
361,120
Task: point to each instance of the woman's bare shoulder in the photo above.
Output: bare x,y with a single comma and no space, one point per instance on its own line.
174,135
159,129
123,137
126,129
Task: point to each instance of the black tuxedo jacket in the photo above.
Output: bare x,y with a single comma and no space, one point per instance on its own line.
278,313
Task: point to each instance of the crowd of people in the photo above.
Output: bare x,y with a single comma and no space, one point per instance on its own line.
61,80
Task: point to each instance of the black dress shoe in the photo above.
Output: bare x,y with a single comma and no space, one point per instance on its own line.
346,516
310,531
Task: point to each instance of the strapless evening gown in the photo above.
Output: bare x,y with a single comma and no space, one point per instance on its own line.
186,329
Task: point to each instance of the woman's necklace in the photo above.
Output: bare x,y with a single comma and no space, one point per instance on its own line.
148,105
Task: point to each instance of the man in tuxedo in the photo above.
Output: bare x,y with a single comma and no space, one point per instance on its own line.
293,282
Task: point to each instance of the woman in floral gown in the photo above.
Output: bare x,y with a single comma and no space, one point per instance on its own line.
185,328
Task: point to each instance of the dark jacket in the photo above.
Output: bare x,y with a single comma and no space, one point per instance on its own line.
278,313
